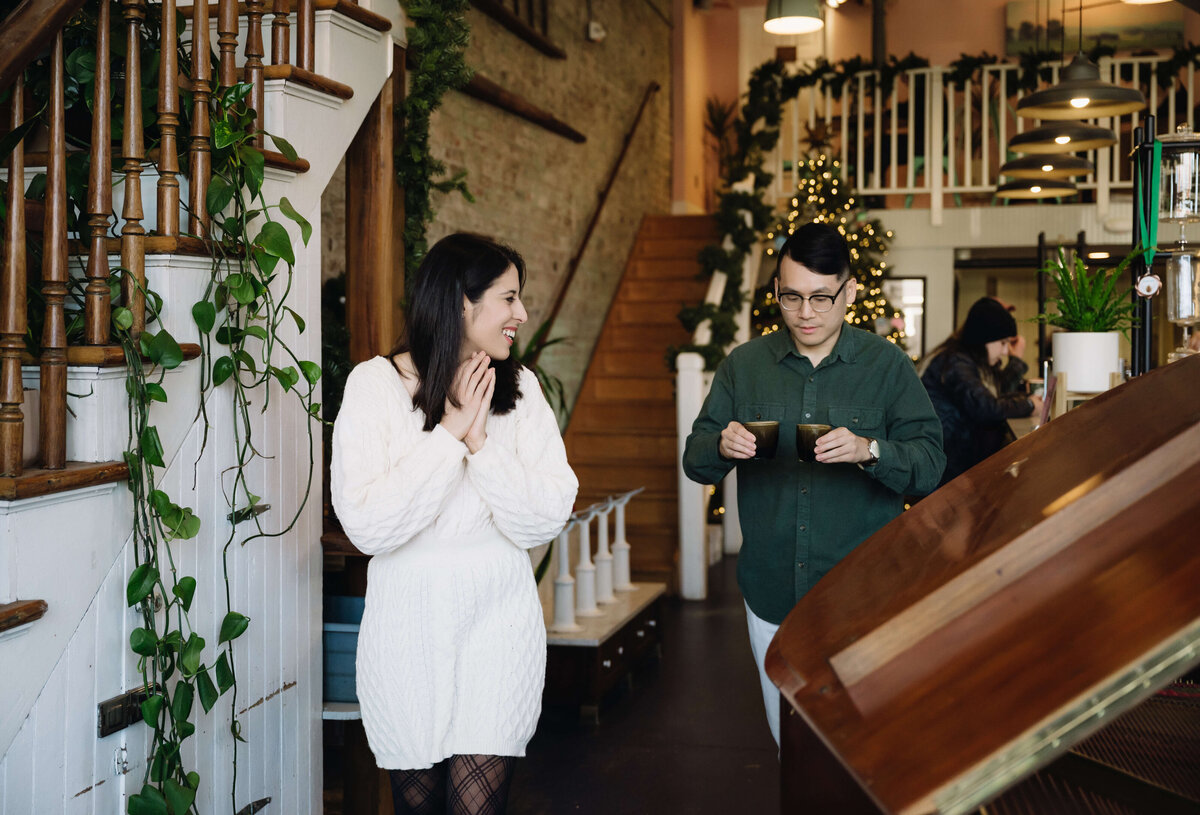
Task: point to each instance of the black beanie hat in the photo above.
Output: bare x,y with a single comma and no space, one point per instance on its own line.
987,321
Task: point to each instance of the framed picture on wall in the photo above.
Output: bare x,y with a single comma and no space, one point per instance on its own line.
907,296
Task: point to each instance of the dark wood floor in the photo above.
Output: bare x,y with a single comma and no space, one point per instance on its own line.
689,737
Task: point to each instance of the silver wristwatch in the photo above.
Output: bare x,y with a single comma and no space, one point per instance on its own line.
873,452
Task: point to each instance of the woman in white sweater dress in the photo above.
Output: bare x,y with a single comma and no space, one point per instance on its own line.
447,466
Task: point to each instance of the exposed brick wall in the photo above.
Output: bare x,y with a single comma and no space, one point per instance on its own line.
537,190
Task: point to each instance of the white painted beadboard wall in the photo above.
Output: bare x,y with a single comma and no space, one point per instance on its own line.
73,551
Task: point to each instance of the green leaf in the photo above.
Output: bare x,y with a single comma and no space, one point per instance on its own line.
143,642
147,802
314,409
299,320
160,502
155,392
246,362
224,674
207,690
185,729
165,350
181,702
228,334
152,709
205,315
285,147
312,371
233,626
254,163
220,193
151,447
265,262
141,583
256,331
285,206
122,318
223,136
193,650
184,524
274,240
179,797
287,377
185,589
222,370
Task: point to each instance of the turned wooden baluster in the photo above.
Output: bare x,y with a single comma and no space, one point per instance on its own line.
281,45
12,300
96,298
254,63
200,149
53,437
227,31
168,125
305,42
133,234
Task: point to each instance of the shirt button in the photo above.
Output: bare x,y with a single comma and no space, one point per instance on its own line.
800,565
804,490
807,415
803,528
810,379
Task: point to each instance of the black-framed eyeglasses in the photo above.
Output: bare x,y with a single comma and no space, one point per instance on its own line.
821,303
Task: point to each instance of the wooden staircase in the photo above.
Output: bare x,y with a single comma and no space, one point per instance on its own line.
622,431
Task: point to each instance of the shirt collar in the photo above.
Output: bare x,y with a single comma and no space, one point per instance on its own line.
845,349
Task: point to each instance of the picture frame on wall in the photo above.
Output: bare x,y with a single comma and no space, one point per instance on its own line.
907,296
1030,25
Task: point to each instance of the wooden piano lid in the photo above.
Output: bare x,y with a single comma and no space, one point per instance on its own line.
1014,611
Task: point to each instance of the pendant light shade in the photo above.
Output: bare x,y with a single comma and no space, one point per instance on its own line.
793,17
1039,168
1062,137
1031,189
1080,94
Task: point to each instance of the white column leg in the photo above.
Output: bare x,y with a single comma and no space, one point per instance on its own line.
564,586
620,548
585,572
604,558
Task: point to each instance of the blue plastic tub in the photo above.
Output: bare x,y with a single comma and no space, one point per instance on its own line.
340,642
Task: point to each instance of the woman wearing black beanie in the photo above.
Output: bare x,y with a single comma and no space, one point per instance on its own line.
967,390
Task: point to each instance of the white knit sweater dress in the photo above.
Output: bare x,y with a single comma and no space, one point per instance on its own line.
452,648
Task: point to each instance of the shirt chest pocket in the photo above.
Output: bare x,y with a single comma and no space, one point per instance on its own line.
761,412
856,419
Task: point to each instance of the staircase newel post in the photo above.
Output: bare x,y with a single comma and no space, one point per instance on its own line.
564,585
12,300
604,558
585,572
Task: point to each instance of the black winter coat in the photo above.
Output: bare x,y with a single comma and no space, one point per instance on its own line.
974,417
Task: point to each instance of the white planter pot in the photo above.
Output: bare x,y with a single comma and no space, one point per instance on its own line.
1089,359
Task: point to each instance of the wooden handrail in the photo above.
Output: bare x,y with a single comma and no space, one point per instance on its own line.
27,30
573,266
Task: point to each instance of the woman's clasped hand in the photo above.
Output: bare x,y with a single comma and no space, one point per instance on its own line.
470,400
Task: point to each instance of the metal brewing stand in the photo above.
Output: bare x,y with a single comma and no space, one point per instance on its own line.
1143,159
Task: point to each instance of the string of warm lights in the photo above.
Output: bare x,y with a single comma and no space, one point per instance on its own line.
821,196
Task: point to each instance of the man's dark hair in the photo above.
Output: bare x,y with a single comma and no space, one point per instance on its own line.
819,247
457,265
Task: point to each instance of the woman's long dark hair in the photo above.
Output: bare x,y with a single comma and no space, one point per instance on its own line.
978,354
457,265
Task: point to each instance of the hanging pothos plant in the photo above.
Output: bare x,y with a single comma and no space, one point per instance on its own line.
240,319
437,36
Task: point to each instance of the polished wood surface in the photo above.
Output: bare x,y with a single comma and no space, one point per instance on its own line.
370,265
200,148
281,41
34,482
21,612
254,66
305,34
27,30
133,234
308,79
53,399
12,299
168,127
1002,617
99,198
227,36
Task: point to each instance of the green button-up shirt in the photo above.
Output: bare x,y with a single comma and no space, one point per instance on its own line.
799,519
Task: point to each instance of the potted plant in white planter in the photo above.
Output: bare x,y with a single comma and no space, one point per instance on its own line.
1094,309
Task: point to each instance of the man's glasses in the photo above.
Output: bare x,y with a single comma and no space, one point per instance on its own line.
820,303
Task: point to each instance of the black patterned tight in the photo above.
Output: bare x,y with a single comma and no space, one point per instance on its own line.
460,785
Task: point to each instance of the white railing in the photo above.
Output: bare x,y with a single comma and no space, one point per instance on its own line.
966,128
596,577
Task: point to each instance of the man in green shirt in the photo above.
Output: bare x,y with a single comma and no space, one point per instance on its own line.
799,519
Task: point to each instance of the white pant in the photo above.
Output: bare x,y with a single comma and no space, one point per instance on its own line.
761,633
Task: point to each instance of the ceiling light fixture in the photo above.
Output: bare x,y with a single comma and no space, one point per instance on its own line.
1080,93
793,17
1047,166
1062,137
1049,188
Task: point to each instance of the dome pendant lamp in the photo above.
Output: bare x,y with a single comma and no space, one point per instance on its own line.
1062,137
1029,189
1080,94
793,17
1040,168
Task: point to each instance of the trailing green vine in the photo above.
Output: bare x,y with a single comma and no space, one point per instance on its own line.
240,320
437,36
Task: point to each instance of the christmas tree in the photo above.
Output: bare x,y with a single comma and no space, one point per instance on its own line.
822,196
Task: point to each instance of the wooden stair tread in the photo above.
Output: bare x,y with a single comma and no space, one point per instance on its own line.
21,612
36,481
106,356
308,79
690,226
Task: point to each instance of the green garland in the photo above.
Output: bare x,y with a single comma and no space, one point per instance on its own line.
437,36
